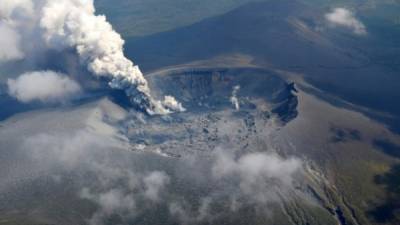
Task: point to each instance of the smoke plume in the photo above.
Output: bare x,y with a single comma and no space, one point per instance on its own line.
73,24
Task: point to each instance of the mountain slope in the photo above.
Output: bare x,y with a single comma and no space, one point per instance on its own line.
284,35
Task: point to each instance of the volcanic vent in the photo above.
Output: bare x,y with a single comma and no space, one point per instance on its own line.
236,107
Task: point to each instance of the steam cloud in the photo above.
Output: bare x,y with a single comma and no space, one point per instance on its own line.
45,86
73,24
345,18
234,99
9,39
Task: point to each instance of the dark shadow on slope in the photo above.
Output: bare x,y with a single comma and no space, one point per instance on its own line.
344,134
262,29
389,212
387,147
11,107
287,109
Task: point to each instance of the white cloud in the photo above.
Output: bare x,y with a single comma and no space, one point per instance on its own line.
114,188
154,183
10,43
182,210
67,149
256,165
122,198
44,86
258,173
110,202
345,18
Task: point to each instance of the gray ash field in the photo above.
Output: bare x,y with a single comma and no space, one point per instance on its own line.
248,112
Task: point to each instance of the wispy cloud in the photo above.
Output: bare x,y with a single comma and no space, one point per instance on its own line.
256,172
346,18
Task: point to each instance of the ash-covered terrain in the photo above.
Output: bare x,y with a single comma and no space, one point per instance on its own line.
242,152
247,112
234,107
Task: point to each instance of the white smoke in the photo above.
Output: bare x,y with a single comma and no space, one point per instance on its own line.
171,104
345,18
234,99
73,24
44,86
12,8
